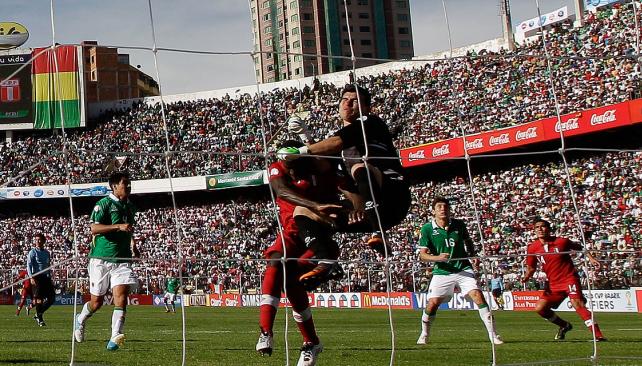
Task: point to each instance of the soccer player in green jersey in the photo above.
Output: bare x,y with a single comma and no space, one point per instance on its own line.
112,225
170,293
442,239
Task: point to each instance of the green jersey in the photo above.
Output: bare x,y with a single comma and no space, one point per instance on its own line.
172,285
116,244
452,241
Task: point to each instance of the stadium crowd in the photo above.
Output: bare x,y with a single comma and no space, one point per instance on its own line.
222,243
591,66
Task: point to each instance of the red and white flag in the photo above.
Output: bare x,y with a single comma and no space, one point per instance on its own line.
10,90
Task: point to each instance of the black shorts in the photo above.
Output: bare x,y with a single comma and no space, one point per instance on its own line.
393,207
43,288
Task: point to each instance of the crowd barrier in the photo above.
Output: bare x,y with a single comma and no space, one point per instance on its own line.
627,300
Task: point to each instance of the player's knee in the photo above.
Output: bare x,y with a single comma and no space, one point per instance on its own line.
433,305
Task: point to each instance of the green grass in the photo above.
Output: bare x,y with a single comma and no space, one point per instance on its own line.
224,336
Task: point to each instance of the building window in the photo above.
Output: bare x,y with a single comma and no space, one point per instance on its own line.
405,44
298,58
366,42
308,30
94,75
253,10
402,4
346,42
295,31
294,18
296,44
402,17
279,10
265,5
345,29
362,2
267,30
364,16
343,15
293,5
307,16
364,29
266,16
297,71
305,3
270,68
366,54
268,42
403,30
309,43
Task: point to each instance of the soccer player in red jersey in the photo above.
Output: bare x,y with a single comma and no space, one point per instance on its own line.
26,292
563,281
297,186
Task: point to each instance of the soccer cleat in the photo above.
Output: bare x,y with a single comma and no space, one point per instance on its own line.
599,337
321,273
376,243
561,333
497,340
423,338
265,344
309,354
79,330
40,321
18,311
115,342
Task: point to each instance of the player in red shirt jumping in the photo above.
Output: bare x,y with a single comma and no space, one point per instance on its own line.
563,280
26,292
297,184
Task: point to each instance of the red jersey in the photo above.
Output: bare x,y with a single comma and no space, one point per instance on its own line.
23,274
319,188
559,269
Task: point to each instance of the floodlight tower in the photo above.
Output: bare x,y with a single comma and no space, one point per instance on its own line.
507,23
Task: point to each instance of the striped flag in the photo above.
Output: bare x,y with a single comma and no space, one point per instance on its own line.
56,88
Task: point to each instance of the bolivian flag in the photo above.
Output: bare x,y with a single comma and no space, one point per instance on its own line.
56,88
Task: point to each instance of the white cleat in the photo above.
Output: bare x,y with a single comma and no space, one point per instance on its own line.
265,344
79,331
497,339
309,354
423,338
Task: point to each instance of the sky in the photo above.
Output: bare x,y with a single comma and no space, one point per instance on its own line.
225,26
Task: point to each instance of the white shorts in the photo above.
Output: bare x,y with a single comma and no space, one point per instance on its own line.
444,285
170,296
103,273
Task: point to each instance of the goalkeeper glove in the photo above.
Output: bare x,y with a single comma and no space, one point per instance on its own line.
297,126
286,152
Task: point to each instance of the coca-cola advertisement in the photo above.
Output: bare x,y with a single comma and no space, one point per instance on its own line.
588,121
547,129
430,153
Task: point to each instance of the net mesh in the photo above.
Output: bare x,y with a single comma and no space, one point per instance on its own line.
203,137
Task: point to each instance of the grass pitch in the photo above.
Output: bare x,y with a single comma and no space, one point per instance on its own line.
224,336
